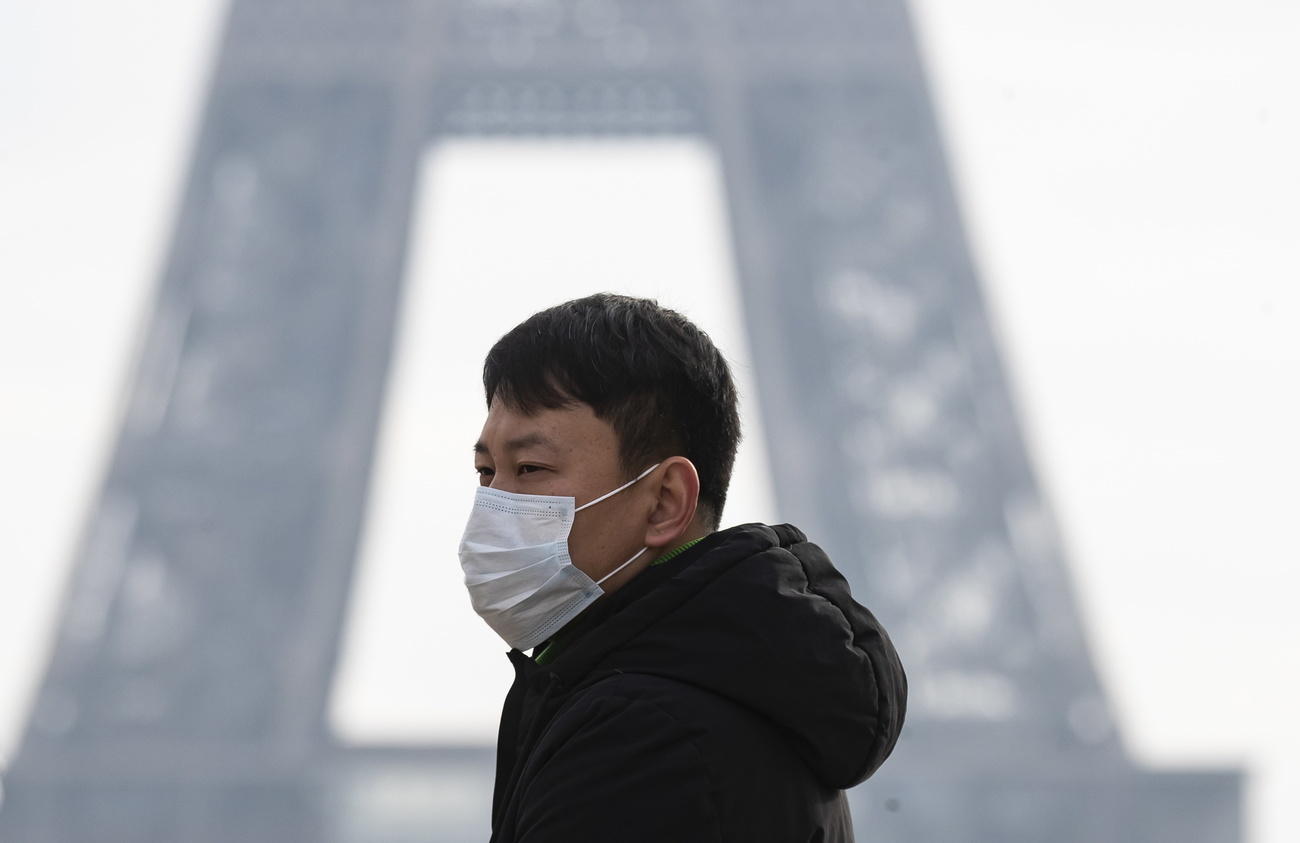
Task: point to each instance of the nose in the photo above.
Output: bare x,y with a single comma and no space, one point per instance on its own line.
501,484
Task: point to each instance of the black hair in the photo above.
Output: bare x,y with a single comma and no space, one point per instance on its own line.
651,374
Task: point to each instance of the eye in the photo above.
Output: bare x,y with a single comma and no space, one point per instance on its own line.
526,468
484,471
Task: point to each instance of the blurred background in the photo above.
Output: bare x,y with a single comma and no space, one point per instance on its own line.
249,269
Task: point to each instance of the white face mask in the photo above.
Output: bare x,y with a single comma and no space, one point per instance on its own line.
515,554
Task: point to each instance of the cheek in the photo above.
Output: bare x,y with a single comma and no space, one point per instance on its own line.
584,540
591,541
601,540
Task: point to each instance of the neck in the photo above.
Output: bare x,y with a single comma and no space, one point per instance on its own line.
696,531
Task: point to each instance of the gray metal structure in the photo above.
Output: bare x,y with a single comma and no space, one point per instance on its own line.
185,699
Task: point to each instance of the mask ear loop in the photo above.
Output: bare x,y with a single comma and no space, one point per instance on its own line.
616,491
611,494
621,567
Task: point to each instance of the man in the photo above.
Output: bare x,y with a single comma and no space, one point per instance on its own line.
686,683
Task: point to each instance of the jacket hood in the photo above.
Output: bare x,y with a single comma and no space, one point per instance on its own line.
760,616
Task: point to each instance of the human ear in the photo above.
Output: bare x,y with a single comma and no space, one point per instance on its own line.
678,495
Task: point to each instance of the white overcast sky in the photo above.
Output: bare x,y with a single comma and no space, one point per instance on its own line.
1129,180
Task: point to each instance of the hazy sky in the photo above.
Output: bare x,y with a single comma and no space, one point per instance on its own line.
1129,182
409,603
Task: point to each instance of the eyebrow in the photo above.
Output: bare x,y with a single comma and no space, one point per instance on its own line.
529,440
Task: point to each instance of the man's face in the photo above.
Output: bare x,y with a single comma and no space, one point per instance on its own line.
568,451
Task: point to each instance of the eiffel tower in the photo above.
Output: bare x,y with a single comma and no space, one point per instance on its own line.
185,698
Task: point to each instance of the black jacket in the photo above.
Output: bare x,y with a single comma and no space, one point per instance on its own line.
728,694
